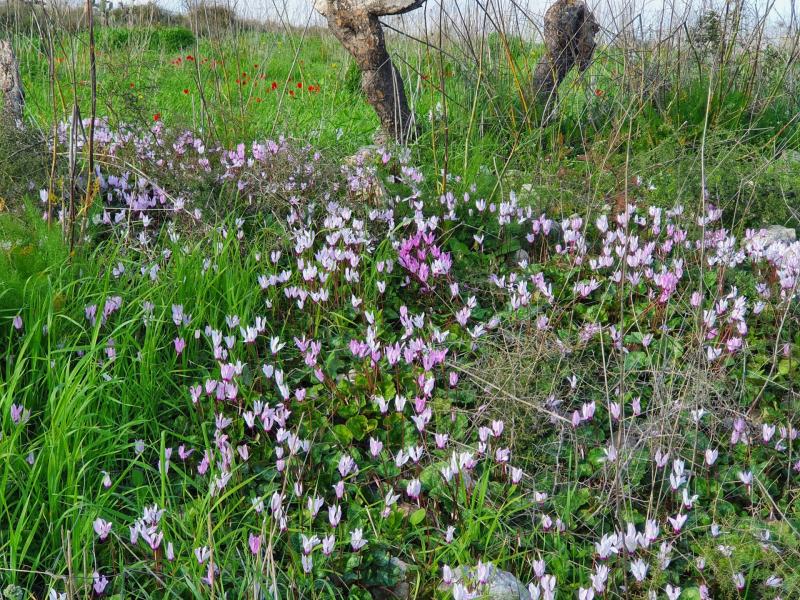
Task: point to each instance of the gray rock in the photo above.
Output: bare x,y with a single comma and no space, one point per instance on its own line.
401,590
777,233
790,155
519,256
502,585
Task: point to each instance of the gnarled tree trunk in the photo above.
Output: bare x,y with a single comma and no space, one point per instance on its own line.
569,28
355,23
10,83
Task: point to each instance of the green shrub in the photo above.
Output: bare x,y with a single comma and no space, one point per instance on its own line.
172,38
114,38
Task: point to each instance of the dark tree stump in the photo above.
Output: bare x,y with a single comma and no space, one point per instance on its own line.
569,28
355,23
10,83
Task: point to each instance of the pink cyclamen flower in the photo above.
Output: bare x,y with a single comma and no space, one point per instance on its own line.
673,593
677,522
357,540
17,322
309,543
738,581
202,554
180,344
375,447
243,451
585,593
516,475
334,515
254,541
449,534
102,528
19,414
328,544
100,582
308,563
414,488
338,489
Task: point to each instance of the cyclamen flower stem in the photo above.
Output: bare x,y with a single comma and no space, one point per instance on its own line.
163,470
114,562
199,410
157,561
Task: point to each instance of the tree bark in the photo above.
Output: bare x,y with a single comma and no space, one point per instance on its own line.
356,24
10,83
569,28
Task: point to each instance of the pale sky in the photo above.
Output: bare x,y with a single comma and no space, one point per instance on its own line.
611,13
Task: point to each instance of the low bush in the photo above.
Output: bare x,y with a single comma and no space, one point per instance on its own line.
168,39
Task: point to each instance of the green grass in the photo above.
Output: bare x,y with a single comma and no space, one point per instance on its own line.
606,133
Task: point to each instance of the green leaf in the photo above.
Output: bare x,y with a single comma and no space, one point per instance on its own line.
358,426
343,434
347,410
417,517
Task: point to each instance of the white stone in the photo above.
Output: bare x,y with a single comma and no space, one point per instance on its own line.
777,233
501,585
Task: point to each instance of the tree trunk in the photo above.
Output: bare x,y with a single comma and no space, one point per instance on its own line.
355,23
10,83
569,28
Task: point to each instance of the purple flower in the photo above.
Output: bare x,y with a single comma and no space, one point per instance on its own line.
19,414
334,515
357,540
100,582
414,488
328,544
102,528
202,554
254,541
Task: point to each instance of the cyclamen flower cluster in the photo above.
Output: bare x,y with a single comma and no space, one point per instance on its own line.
422,258
278,404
